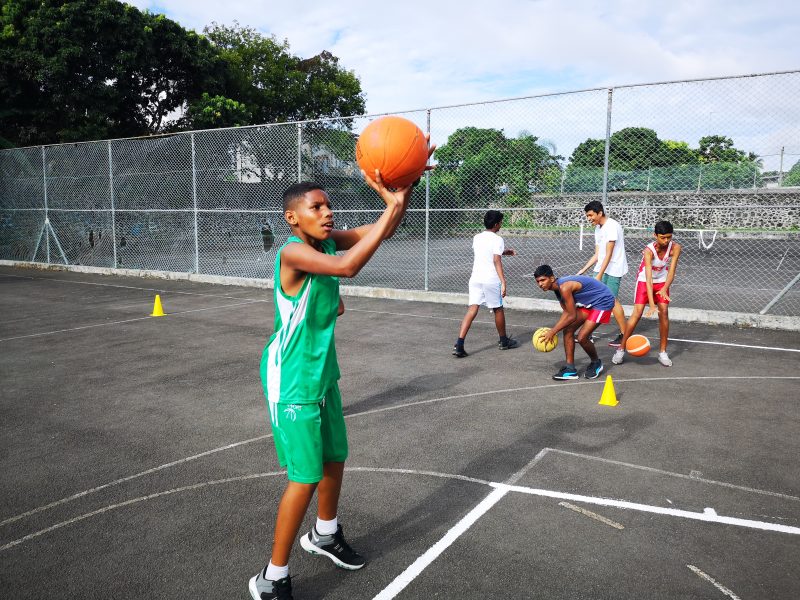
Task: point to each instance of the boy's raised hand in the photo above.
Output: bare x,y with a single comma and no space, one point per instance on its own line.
391,198
400,196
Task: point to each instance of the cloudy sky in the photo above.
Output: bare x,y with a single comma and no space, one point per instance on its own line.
416,54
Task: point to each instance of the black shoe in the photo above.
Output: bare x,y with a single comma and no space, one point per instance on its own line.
459,352
594,369
616,341
265,589
566,373
507,344
334,547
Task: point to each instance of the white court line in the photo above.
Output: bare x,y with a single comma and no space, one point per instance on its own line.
409,405
110,507
171,314
129,478
501,490
707,516
133,287
591,515
395,314
407,576
734,345
717,585
690,477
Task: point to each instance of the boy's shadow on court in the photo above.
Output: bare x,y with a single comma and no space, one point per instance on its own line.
438,510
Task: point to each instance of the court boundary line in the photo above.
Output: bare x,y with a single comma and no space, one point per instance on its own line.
713,582
400,407
500,491
678,314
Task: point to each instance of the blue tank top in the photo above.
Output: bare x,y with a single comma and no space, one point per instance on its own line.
593,293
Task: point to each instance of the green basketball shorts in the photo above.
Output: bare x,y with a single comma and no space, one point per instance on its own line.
612,283
307,436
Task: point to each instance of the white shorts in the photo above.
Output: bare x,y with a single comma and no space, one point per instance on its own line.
485,293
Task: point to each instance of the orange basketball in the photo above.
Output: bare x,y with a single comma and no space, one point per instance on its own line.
396,147
637,345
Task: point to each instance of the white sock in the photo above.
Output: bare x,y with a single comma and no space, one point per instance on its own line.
327,527
274,573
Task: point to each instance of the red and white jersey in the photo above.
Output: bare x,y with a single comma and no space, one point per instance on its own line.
660,265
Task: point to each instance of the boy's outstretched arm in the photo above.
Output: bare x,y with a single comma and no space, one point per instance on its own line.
303,258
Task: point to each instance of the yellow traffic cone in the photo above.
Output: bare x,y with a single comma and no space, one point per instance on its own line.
158,311
608,397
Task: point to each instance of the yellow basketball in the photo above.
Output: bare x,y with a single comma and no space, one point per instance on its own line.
539,344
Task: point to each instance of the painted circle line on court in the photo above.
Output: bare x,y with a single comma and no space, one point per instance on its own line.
398,407
501,489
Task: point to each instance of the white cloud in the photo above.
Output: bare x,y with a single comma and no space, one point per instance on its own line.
426,54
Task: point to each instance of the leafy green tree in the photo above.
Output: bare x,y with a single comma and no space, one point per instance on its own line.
86,69
718,148
277,86
477,165
209,112
792,177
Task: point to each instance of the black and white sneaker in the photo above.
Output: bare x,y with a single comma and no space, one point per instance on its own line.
459,352
507,344
334,547
594,369
616,341
566,373
266,589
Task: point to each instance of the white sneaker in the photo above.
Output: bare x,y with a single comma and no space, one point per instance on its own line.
664,359
619,356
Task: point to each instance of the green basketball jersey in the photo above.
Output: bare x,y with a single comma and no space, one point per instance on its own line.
299,361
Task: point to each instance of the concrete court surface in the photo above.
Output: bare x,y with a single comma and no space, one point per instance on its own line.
137,460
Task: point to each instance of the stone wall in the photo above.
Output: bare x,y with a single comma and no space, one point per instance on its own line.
761,209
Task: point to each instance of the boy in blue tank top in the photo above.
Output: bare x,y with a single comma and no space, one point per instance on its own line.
300,372
585,301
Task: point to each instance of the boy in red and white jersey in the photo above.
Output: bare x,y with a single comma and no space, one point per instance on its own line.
656,273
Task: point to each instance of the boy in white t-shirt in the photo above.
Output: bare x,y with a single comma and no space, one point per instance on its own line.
609,260
487,285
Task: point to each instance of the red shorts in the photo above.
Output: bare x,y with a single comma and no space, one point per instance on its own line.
596,316
641,293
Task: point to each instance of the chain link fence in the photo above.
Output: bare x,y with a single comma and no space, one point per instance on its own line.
719,158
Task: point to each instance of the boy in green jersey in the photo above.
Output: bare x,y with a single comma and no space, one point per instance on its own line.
299,372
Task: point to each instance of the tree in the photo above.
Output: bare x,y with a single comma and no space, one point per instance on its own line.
476,165
718,148
209,112
277,86
792,177
87,69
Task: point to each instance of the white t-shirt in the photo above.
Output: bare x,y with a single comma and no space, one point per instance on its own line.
486,245
611,231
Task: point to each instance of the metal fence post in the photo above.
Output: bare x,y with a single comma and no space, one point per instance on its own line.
194,203
46,213
608,147
780,171
699,178
427,208
299,153
111,196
